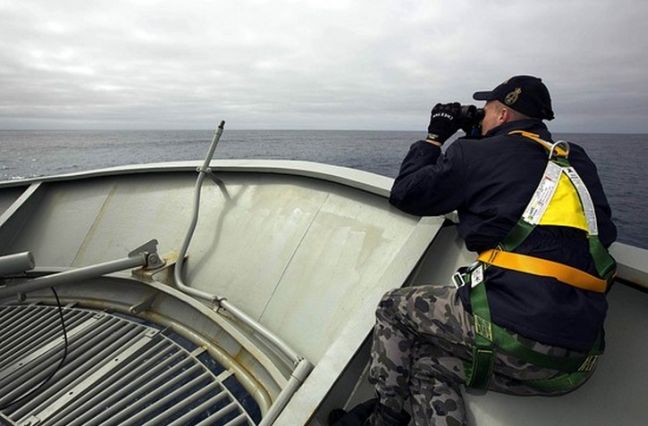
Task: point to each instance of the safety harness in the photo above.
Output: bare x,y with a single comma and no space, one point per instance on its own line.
561,199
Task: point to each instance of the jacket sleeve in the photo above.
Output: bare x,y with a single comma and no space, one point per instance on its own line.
429,183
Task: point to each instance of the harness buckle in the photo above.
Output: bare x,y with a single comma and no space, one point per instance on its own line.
483,328
458,280
463,274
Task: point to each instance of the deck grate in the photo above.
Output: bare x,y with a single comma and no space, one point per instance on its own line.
117,371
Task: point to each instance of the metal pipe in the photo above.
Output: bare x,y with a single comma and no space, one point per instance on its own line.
16,263
237,313
202,172
296,379
212,147
74,275
271,337
302,366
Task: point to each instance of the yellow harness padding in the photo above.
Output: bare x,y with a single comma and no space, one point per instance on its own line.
565,208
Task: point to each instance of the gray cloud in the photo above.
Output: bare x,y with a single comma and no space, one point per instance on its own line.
320,64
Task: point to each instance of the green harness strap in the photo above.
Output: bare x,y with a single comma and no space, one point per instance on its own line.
604,263
488,336
480,370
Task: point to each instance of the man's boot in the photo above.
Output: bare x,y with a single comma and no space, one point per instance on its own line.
357,416
385,416
368,413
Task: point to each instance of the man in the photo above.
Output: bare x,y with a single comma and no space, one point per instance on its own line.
426,343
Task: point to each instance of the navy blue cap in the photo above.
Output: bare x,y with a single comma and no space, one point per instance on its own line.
523,93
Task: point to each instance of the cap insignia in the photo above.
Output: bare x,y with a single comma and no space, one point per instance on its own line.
512,97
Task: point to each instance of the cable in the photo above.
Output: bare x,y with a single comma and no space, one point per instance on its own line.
56,370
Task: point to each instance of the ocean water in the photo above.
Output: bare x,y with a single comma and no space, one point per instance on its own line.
621,159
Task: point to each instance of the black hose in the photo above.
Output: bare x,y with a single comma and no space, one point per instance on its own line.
56,370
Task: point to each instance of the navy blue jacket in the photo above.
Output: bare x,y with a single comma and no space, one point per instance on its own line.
489,182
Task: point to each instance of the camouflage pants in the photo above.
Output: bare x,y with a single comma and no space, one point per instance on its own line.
421,338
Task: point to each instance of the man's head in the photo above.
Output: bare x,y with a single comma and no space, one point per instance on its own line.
518,98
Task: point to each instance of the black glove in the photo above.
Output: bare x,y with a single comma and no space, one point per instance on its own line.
445,120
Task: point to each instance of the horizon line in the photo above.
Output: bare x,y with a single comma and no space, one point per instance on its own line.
270,130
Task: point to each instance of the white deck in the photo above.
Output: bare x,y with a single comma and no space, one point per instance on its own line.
307,250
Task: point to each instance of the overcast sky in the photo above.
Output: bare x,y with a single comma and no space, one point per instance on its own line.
330,64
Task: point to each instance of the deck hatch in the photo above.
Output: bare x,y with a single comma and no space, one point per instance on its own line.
117,371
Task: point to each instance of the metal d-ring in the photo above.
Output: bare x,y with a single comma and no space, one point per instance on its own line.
558,144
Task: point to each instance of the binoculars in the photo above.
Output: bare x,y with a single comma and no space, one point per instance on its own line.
470,116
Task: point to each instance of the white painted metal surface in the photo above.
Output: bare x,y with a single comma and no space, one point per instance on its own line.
305,249
290,244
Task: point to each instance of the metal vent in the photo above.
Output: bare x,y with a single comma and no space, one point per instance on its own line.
117,371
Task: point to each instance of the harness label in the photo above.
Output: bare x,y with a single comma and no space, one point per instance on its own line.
543,194
477,276
585,198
